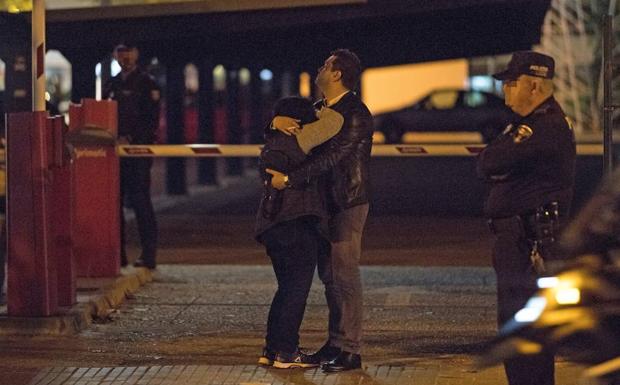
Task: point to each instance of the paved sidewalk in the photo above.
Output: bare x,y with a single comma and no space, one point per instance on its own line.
199,325
423,372
96,299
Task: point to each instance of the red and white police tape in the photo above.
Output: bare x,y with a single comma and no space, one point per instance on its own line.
253,150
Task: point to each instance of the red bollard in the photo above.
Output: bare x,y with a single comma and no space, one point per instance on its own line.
92,131
61,212
31,283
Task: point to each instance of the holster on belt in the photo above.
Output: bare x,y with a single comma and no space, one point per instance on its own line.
541,228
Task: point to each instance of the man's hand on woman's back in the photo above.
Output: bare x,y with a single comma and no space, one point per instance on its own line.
286,125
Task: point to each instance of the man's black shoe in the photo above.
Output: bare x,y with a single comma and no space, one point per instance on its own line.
295,360
326,353
344,361
142,263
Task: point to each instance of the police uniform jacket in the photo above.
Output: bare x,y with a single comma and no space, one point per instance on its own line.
530,164
342,162
138,105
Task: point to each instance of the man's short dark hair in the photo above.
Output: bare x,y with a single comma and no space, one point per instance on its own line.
349,65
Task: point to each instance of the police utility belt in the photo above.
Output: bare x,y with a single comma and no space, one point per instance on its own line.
540,227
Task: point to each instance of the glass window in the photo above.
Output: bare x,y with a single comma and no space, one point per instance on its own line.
481,83
58,77
191,77
474,99
442,100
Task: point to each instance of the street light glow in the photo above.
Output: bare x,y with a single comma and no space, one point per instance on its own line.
266,75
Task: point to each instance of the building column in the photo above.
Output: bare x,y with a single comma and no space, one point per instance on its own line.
176,183
83,78
235,165
106,70
207,170
258,115
288,87
18,75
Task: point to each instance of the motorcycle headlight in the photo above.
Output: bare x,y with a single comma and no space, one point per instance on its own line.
564,289
568,295
547,282
532,310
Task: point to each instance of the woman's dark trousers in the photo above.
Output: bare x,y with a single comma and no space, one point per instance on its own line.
293,247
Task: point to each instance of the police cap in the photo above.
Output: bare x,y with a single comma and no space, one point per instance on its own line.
528,63
124,47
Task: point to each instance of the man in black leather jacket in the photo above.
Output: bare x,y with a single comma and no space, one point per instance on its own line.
341,164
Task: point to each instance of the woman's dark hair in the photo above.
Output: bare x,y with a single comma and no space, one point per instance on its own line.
295,107
349,65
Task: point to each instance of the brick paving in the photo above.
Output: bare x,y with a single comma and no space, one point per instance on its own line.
424,373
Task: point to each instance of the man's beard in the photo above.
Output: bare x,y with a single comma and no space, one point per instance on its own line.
317,83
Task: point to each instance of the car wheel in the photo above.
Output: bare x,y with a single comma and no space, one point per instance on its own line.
392,130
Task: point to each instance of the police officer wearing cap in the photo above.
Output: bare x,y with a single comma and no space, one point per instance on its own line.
531,170
138,98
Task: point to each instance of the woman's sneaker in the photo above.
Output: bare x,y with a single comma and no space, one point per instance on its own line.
295,360
267,357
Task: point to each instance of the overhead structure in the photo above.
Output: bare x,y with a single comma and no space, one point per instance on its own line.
572,35
38,55
383,32
613,12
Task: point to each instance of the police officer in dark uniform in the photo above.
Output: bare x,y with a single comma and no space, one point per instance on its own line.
531,170
138,99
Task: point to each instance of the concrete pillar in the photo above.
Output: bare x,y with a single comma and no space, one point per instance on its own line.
106,69
235,166
83,76
176,183
207,171
18,92
16,57
257,108
287,84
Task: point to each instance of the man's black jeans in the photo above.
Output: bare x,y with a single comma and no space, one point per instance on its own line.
516,283
293,247
135,178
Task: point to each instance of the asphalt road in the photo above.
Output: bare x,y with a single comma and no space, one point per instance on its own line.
215,226
216,314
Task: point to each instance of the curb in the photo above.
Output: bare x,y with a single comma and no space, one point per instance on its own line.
107,295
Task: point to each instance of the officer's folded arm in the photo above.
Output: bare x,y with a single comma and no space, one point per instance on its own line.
504,155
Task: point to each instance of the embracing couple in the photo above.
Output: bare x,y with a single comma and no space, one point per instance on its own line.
312,214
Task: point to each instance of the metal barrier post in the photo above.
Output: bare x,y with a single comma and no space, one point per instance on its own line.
61,212
96,230
608,107
32,278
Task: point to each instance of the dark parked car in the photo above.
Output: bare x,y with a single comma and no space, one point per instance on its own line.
448,110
